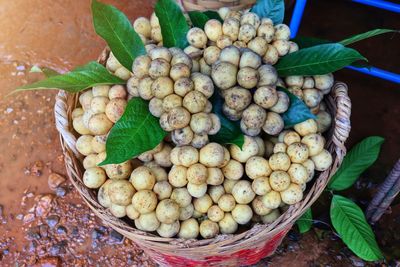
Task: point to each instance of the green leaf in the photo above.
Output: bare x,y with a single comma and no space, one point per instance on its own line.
230,132
273,9
365,35
304,41
90,75
317,60
198,19
116,29
137,131
46,71
174,26
213,15
304,223
357,160
361,64
349,221
297,111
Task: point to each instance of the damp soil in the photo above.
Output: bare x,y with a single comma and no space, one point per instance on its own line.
41,214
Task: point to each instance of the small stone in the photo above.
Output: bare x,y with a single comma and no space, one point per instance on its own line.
44,205
130,259
32,246
97,234
52,220
55,180
116,237
48,262
75,231
43,229
61,191
95,244
86,218
357,262
57,249
61,230
103,228
37,168
33,233
30,217
293,247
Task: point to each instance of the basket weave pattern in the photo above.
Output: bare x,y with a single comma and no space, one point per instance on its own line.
225,250
216,4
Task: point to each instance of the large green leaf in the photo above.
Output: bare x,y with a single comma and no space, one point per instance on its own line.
116,29
90,75
304,223
304,41
317,60
349,221
273,9
365,35
213,15
360,158
174,26
198,18
361,64
230,132
136,132
297,111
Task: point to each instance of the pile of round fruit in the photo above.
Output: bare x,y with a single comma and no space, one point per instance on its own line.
188,186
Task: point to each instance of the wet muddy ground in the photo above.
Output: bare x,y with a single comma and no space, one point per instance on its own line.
39,210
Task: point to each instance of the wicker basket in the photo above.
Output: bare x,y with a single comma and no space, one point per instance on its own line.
225,250
202,5
216,4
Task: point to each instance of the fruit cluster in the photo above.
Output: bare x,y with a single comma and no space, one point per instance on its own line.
188,186
177,96
239,55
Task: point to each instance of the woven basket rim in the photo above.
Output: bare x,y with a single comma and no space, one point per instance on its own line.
338,104
215,4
